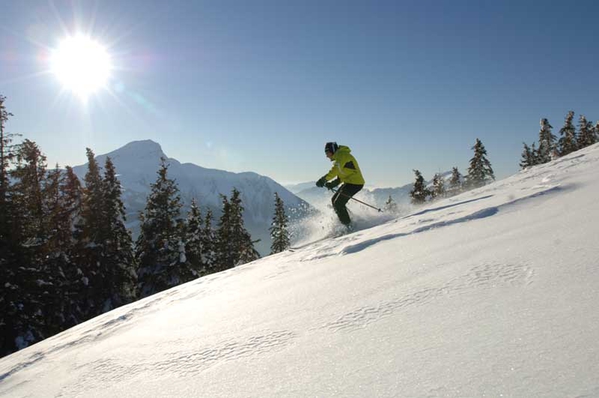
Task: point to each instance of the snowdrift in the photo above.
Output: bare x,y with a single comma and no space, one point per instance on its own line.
490,293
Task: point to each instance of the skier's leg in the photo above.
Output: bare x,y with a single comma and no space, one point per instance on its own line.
339,201
334,198
344,194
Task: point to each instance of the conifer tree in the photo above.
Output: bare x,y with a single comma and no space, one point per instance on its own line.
74,286
455,182
10,247
6,156
586,133
438,190
117,269
158,248
193,240
91,236
390,206
568,141
35,280
29,177
72,194
546,143
209,244
480,171
278,230
56,223
243,246
246,250
62,200
225,258
529,157
55,254
419,193
235,243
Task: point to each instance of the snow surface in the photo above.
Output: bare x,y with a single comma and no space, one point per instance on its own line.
491,293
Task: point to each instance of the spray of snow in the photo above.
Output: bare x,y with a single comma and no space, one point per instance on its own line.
322,222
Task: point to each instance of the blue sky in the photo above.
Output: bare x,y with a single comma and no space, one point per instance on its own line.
262,85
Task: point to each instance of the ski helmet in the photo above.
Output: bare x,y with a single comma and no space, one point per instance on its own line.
331,147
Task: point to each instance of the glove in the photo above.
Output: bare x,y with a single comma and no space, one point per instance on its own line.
332,184
320,183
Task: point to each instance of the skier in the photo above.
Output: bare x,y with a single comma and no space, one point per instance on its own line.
345,170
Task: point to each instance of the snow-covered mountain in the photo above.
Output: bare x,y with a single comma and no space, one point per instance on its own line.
295,188
489,293
137,163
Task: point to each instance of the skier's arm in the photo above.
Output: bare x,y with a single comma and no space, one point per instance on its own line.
334,172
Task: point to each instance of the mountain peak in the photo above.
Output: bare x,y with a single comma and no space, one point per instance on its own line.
142,146
139,150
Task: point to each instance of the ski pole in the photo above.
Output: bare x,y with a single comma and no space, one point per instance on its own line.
357,200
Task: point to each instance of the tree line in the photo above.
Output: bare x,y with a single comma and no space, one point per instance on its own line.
66,255
570,140
480,172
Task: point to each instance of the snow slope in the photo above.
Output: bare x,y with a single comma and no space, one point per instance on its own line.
490,293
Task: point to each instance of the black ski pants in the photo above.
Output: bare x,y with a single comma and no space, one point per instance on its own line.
340,199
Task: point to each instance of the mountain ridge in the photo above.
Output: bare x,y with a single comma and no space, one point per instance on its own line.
137,162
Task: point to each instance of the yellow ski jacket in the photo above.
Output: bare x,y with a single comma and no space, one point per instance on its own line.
345,167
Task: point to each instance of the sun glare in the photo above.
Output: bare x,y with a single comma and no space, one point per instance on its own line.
82,65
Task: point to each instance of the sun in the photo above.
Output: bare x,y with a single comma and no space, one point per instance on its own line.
82,65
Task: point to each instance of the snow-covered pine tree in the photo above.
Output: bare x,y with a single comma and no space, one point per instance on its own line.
29,177
6,155
546,142
455,182
54,220
535,154
91,236
225,258
438,191
242,244
11,260
568,141
278,229
419,192
209,244
117,269
55,254
480,171
529,157
193,240
35,282
586,133
390,206
158,248
72,194
74,287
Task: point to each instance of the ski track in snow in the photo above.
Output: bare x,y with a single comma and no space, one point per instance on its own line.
180,363
479,276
